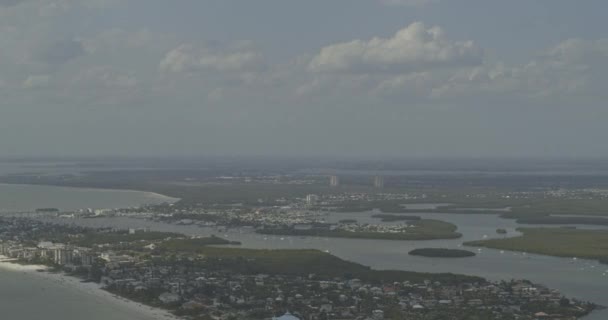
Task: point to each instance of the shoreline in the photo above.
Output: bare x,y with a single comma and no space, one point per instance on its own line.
150,193
91,289
147,197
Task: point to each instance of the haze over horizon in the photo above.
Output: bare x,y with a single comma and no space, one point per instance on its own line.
419,78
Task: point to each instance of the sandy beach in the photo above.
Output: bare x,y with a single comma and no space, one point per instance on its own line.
92,290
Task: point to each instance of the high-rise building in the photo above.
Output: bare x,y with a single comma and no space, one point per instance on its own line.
378,182
86,259
312,199
63,256
334,181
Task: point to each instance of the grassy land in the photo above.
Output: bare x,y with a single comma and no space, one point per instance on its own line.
561,242
424,230
565,206
564,220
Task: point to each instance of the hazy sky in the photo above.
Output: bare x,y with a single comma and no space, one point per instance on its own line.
306,77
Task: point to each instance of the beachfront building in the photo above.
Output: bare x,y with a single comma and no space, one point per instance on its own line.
63,256
312,199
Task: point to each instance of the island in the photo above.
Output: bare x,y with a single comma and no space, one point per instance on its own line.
441,253
424,229
39,210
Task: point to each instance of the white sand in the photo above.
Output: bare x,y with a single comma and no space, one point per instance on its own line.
88,288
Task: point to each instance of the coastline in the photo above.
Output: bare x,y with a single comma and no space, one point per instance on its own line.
151,194
90,289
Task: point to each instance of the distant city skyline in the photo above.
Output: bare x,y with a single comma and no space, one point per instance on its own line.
352,78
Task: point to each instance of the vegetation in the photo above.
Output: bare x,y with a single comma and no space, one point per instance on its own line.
304,262
441,253
423,230
564,220
91,238
193,244
565,206
561,242
491,203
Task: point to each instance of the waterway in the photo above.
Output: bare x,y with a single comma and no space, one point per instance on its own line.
583,279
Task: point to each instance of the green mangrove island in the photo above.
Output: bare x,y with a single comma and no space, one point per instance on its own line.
425,229
441,253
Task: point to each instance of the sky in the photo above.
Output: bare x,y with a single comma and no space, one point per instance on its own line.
421,78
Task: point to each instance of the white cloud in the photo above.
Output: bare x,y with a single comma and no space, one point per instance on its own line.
411,49
418,63
578,50
417,84
573,69
190,58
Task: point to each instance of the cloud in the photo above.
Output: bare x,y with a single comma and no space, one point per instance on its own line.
573,69
413,85
419,64
411,49
576,50
36,81
192,58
